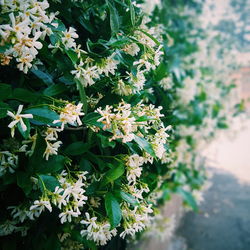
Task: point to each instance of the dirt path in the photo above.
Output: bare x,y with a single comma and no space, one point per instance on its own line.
224,219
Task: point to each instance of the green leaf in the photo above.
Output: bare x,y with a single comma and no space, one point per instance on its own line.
72,55
25,133
25,95
114,18
132,13
144,145
188,198
160,72
105,141
5,91
91,119
112,174
55,89
85,165
49,181
42,116
45,77
128,198
54,164
4,48
150,36
143,118
24,182
3,109
77,148
83,96
113,210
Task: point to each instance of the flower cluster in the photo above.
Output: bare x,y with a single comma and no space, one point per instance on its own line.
70,114
98,231
124,122
134,163
52,144
29,24
135,220
70,196
8,162
87,71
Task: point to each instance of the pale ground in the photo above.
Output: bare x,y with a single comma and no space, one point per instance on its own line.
223,222
231,151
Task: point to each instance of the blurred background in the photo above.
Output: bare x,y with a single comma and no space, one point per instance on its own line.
224,219
223,222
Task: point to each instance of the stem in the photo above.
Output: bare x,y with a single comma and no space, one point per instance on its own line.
112,157
44,187
75,129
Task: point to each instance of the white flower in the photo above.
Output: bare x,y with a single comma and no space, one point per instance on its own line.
51,149
106,114
18,118
18,213
109,65
69,38
132,49
157,56
79,70
89,74
19,28
7,228
90,222
8,161
24,63
51,134
122,88
166,83
70,114
97,231
38,207
127,231
66,216
137,81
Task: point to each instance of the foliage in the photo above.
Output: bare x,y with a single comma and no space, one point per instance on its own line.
102,110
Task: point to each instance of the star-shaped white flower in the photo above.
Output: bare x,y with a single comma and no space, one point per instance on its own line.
18,117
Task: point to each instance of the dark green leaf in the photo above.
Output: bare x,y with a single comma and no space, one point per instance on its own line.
128,198
5,91
55,89
114,18
45,77
85,165
24,181
42,116
113,210
144,145
77,148
49,181
3,109
105,141
25,95
72,55
132,13
160,72
54,164
113,174
91,119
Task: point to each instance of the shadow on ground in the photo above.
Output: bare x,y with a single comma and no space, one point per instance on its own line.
224,219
